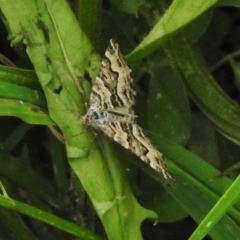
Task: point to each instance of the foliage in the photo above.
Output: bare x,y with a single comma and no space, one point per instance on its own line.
175,50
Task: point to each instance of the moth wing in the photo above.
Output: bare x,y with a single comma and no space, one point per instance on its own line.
131,137
113,87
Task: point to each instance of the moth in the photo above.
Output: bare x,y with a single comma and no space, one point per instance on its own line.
110,109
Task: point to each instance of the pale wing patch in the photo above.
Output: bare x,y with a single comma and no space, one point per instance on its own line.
110,109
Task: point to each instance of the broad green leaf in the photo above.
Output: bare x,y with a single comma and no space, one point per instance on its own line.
89,15
206,93
52,45
167,94
180,14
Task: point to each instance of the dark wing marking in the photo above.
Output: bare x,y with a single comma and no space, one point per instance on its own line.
112,89
131,137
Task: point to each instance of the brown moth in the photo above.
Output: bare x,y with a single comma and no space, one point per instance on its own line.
110,109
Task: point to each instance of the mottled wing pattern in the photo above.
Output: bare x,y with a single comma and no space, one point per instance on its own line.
131,137
115,81
110,109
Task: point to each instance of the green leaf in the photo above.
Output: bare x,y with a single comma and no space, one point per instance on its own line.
128,6
218,211
235,3
197,188
19,76
19,97
15,224
163,203
88,13
51,45
209,97
180,14
28,112
167,94
236,70
47,218
17,171
12,91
